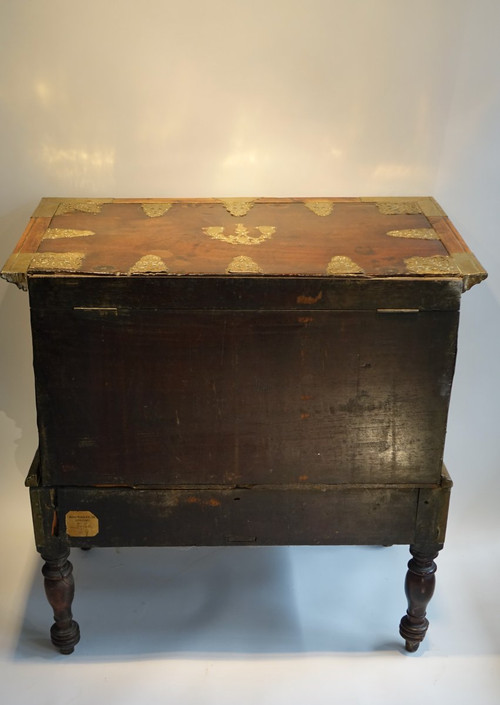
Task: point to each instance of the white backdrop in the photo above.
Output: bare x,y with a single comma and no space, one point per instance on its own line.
239,97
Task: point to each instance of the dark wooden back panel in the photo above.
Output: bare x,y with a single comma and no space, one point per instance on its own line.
171,397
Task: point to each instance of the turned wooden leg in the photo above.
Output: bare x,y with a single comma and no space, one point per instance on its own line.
60,589
419,588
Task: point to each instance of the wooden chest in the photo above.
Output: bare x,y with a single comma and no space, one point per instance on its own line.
262,371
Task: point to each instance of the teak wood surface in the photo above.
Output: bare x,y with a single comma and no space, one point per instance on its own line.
371,237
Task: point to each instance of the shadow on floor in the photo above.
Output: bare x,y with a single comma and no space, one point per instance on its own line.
134,602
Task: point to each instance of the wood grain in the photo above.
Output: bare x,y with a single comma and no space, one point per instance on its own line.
168,397
240,293
265,516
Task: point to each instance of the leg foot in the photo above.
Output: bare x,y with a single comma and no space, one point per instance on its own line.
419,588
60,589
412,646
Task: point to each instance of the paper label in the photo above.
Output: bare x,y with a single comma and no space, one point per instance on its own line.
81,524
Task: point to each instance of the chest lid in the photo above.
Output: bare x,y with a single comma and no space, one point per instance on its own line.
285,237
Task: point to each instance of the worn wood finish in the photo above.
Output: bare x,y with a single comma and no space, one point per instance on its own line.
260,516
243,293
242,398
262,371
303,242
419,588
60,589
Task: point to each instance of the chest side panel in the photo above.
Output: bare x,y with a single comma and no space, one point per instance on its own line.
173,398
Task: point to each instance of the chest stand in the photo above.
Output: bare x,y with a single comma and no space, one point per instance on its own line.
50,518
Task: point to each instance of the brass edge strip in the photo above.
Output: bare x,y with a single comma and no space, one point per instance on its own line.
15,269
463,264
47,208
427,205
430,207
470,268
450,237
